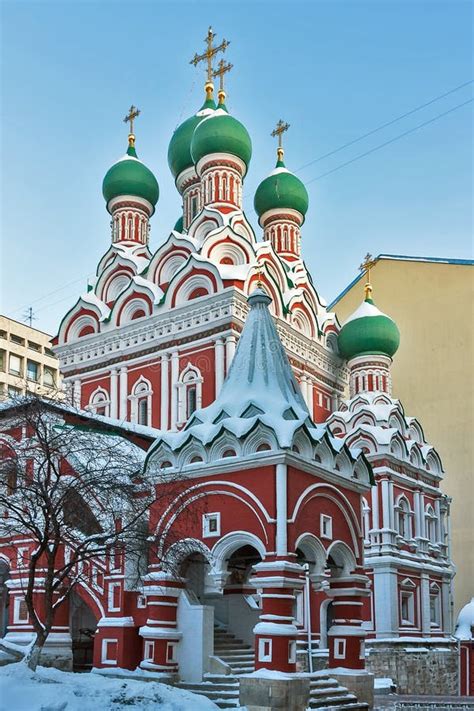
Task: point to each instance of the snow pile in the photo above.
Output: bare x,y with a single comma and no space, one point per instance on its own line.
465,622
49,689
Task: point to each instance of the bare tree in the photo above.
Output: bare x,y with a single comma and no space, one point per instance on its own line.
78,491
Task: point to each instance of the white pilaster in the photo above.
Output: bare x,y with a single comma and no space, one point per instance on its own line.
386,602
230,345
422,516
309,394
174,387
375,507
425,603
123,390
114,393
416,506
165,393
219,364
281,509
76,394
391,504
385,504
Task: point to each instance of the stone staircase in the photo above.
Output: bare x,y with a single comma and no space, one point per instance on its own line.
223,689
326,693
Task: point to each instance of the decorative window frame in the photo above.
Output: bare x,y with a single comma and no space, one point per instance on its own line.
111,607
339,648
325,527
148,650
265,649
435,594
431,525
408,592
190,376
104,658
18,602
99,399
403,511
206,523
141,390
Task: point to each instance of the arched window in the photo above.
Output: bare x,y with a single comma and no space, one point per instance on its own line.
366,519
141,401
85,331
189,392
403,518
430,524
100,402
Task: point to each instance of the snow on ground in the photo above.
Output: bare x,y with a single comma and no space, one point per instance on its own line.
53,690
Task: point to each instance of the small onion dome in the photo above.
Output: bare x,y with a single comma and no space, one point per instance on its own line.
221,133
179,149
129,176
281,190
368,331
179,225
465,622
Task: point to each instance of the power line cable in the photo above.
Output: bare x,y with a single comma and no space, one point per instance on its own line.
391,140
385,125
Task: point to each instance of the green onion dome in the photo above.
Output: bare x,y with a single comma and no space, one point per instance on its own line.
368,332
179,150
281,190
179,225
129,176
221,133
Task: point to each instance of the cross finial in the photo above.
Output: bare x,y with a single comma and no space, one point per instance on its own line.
366,266
223,68
208,57
279,130
130,118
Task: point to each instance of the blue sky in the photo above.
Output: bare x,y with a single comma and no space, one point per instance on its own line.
334,70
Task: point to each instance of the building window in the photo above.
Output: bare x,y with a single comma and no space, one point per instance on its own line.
148,651
194,206
109,651
435,606
430,524
141,402
171,652
17,339
2,361
32,370
292,652
339,649
34,346
141,602
407,603
20,611
211,525
264,650
15,365
13,392
189,392
114,600
100,403
48,377
403,518
326,526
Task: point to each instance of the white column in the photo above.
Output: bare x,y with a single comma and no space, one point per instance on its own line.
391,504
309,391
422,516
114,393
165,396
230,344
281,509
425,603
386,601
416,506
123,393
438,521
304,388
375,507
76,394
174,387
385,504
219,363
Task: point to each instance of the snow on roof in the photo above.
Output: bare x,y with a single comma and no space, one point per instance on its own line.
364,310
148,284
465,622
260,386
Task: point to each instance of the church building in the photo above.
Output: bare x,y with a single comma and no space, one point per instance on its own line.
311,530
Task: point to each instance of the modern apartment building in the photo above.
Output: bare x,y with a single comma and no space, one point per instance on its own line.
27,363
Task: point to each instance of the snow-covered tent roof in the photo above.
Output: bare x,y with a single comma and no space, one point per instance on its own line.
260,391
465,622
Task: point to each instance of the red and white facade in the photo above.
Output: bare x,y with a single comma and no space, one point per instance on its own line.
281,532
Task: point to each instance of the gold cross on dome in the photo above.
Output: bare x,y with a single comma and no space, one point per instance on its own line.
131,116
366,266
210,53
223,68
280,129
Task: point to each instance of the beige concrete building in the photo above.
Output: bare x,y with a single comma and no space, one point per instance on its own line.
27,363
432,301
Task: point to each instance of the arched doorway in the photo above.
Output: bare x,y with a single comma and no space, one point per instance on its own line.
83,625
4,597
194,569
